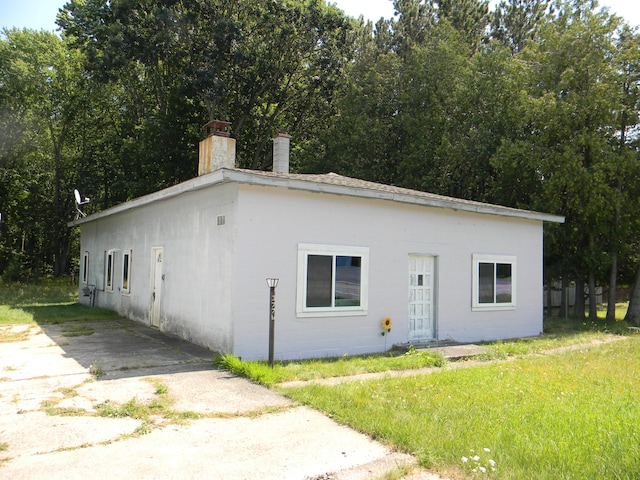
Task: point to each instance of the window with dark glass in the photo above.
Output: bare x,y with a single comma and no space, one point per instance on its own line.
85,268
109,271
126,271
333,281
494,284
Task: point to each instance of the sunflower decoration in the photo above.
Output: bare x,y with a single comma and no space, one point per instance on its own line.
386,325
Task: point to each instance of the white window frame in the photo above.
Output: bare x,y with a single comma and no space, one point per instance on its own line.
306,249
109,274
85,268
126,270
494,259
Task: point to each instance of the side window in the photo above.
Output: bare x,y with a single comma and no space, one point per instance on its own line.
494,282
126,272
109,270
85,268
332,280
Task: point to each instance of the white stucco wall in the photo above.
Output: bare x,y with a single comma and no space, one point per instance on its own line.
215,293
274,221
197,263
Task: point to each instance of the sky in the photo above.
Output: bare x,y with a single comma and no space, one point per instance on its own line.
41,14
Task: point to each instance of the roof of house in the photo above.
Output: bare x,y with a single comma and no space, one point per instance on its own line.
324,183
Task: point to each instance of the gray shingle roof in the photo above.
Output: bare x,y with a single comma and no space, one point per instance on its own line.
363,188
331,183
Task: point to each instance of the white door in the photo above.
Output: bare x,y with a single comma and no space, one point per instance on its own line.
422,325
156,286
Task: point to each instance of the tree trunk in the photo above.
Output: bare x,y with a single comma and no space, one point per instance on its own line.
613,286
592,296
564,301
633,313
578,309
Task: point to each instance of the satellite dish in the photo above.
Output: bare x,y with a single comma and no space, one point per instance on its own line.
79,201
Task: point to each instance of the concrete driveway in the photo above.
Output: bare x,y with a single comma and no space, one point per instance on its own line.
56,380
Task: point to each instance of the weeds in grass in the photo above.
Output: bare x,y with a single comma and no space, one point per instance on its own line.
51,408
479,466
4,447
161,389
77,330
68,392
12,333
262,373
152,414
97,371
397,473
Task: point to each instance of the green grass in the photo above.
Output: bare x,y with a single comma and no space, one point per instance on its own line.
48,291
77,330
574,414
159,408
262,373
50,301
570,415
558,333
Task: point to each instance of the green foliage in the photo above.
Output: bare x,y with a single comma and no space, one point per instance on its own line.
571,415
42,95
533,105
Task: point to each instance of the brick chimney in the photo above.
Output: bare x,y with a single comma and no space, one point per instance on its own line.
218,150
281,152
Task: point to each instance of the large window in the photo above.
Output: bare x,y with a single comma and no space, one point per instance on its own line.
332,280
126,272
494,282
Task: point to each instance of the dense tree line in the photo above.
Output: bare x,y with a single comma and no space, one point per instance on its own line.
532,105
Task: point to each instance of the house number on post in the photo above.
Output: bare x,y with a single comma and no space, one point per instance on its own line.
272,284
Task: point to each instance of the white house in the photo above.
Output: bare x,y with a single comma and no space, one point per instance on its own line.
192,260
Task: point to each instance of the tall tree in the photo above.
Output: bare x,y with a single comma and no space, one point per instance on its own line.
571,99
516,22
265,65
42,93
470,17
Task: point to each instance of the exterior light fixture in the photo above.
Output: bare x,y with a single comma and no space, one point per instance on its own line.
272,283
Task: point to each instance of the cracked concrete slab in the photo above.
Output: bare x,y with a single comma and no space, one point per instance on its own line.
241,430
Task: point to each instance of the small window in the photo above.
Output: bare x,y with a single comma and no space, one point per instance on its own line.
108,270
332,280
126,272
85,268
494,282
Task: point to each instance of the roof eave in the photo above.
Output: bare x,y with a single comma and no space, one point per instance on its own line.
247,177
440,202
